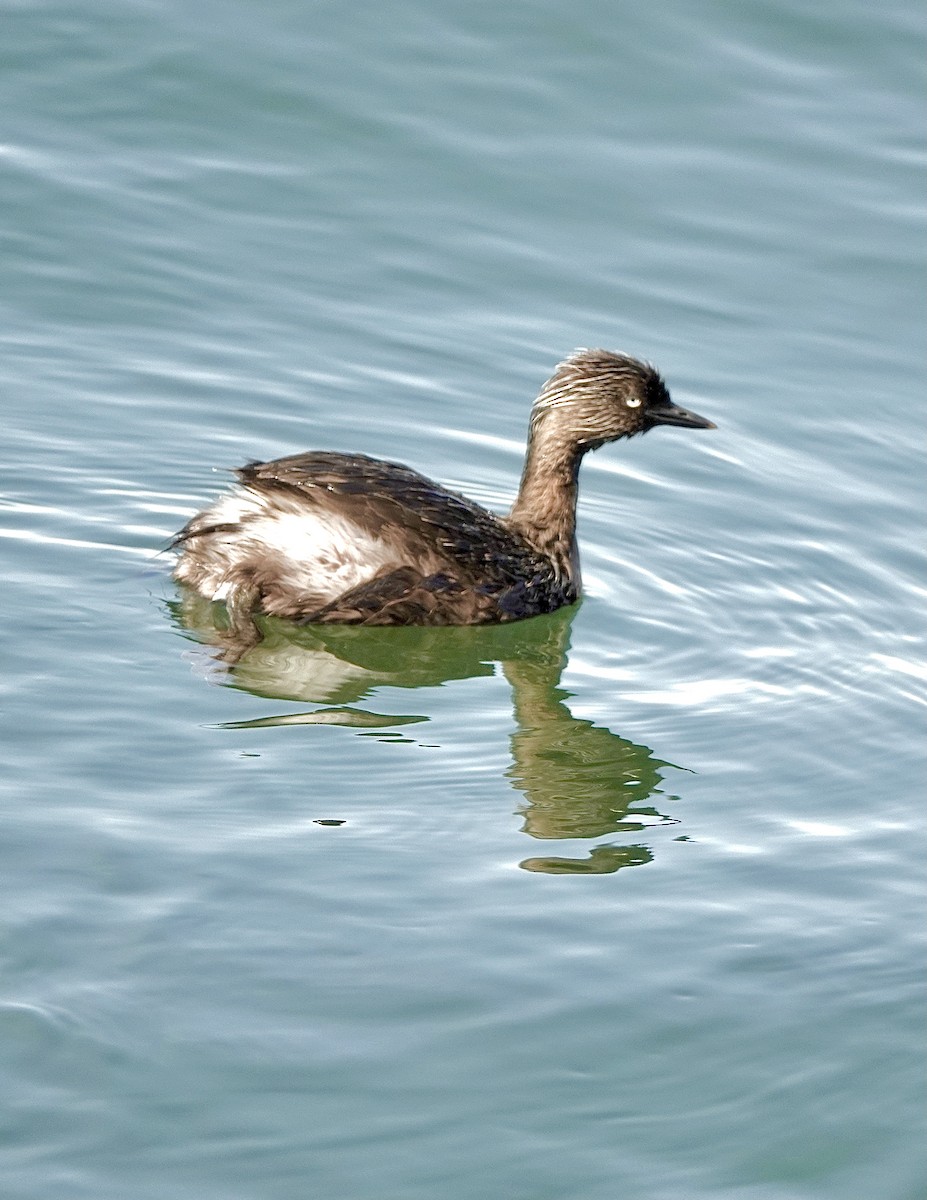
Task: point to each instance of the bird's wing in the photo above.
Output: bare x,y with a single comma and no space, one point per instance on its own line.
388,499
405,597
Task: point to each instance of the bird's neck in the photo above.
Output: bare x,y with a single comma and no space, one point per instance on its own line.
544,512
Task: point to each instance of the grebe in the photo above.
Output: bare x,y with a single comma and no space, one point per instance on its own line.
343,538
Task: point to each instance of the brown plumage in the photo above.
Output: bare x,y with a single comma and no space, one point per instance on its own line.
323,537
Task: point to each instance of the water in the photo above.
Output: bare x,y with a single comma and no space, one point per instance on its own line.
624,902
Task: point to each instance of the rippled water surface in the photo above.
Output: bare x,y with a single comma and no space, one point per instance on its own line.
627,901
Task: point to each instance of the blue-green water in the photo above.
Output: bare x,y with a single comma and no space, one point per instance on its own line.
645,925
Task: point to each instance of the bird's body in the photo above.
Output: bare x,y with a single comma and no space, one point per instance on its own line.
346,538
323,537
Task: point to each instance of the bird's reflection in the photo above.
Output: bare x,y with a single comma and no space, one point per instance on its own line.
579,780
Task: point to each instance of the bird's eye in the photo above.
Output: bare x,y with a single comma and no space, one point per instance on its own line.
633,402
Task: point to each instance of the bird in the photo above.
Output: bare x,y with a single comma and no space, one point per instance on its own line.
331,538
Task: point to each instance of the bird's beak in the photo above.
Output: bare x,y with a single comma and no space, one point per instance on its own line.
672,414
